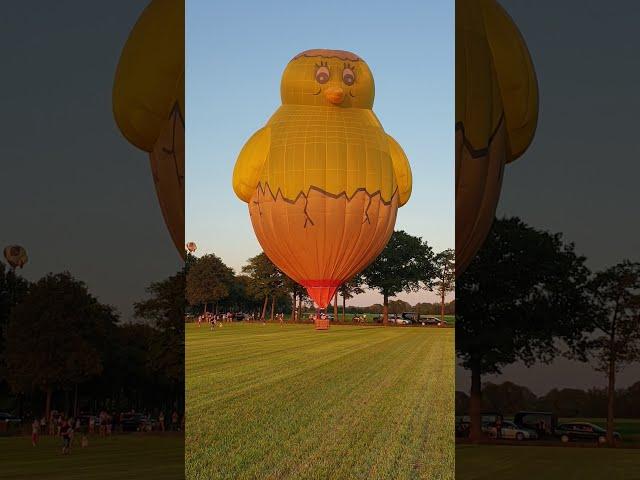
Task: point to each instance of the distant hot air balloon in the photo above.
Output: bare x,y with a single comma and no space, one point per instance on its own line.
16,256
148,103
191,247
322,179
496,115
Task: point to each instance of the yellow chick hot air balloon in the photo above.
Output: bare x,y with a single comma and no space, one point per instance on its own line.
322,179
496,115
16,256
148,103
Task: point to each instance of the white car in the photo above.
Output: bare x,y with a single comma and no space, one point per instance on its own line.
509,431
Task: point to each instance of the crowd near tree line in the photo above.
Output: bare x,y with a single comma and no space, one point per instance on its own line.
529,297
509,398
64,354
407,264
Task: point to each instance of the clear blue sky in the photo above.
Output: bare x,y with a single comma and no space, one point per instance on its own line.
236,52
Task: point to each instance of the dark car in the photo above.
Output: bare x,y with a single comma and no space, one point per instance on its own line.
430,321
135,422
544,423
392,317
583,431
8,418
239,316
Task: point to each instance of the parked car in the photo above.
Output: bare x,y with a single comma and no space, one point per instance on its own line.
509,430
583,431
239,316
8,418
544,423
136,422
392,317
431,321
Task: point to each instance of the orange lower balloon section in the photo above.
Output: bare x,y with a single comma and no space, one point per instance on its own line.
321,292
322,240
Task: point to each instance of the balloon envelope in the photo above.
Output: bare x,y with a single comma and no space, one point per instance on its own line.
148,103
496,115
16,256
322,179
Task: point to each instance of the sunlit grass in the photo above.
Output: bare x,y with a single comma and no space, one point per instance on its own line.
265,401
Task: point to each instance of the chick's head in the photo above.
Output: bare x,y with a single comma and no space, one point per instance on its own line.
333,78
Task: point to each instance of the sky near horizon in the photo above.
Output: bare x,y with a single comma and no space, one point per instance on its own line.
236,52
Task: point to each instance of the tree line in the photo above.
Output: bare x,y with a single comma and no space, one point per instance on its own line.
60,348
509,398
407,264
528,297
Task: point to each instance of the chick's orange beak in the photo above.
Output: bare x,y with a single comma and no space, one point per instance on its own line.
334,94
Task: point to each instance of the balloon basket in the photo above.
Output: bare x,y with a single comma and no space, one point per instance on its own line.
322,323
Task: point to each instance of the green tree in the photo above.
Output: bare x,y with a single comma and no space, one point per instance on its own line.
56,337
267,281
524,290
615,294
445,277
405,264
13,288
208,281
165,310
349,290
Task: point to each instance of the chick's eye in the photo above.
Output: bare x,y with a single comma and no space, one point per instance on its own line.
348,77
322,75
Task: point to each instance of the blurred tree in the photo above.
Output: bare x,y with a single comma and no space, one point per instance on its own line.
267,281
523,290
13,289
507,398
349,290
56,336
615,295
208,281
165,309
445,277
405,264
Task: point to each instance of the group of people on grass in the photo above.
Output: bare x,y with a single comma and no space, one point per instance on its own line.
103,425
61,426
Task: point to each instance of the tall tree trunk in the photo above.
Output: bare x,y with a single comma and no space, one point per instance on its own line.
475,405
264,308
300,308
335,306
611,390
75,402
344,308
442,293
385,310
273,306
47,407
293,310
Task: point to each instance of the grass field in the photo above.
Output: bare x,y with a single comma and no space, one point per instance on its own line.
493,462
291,403
120,457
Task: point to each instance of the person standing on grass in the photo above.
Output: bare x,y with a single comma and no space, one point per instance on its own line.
35,432
66,432
161,420
43,426
174,421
